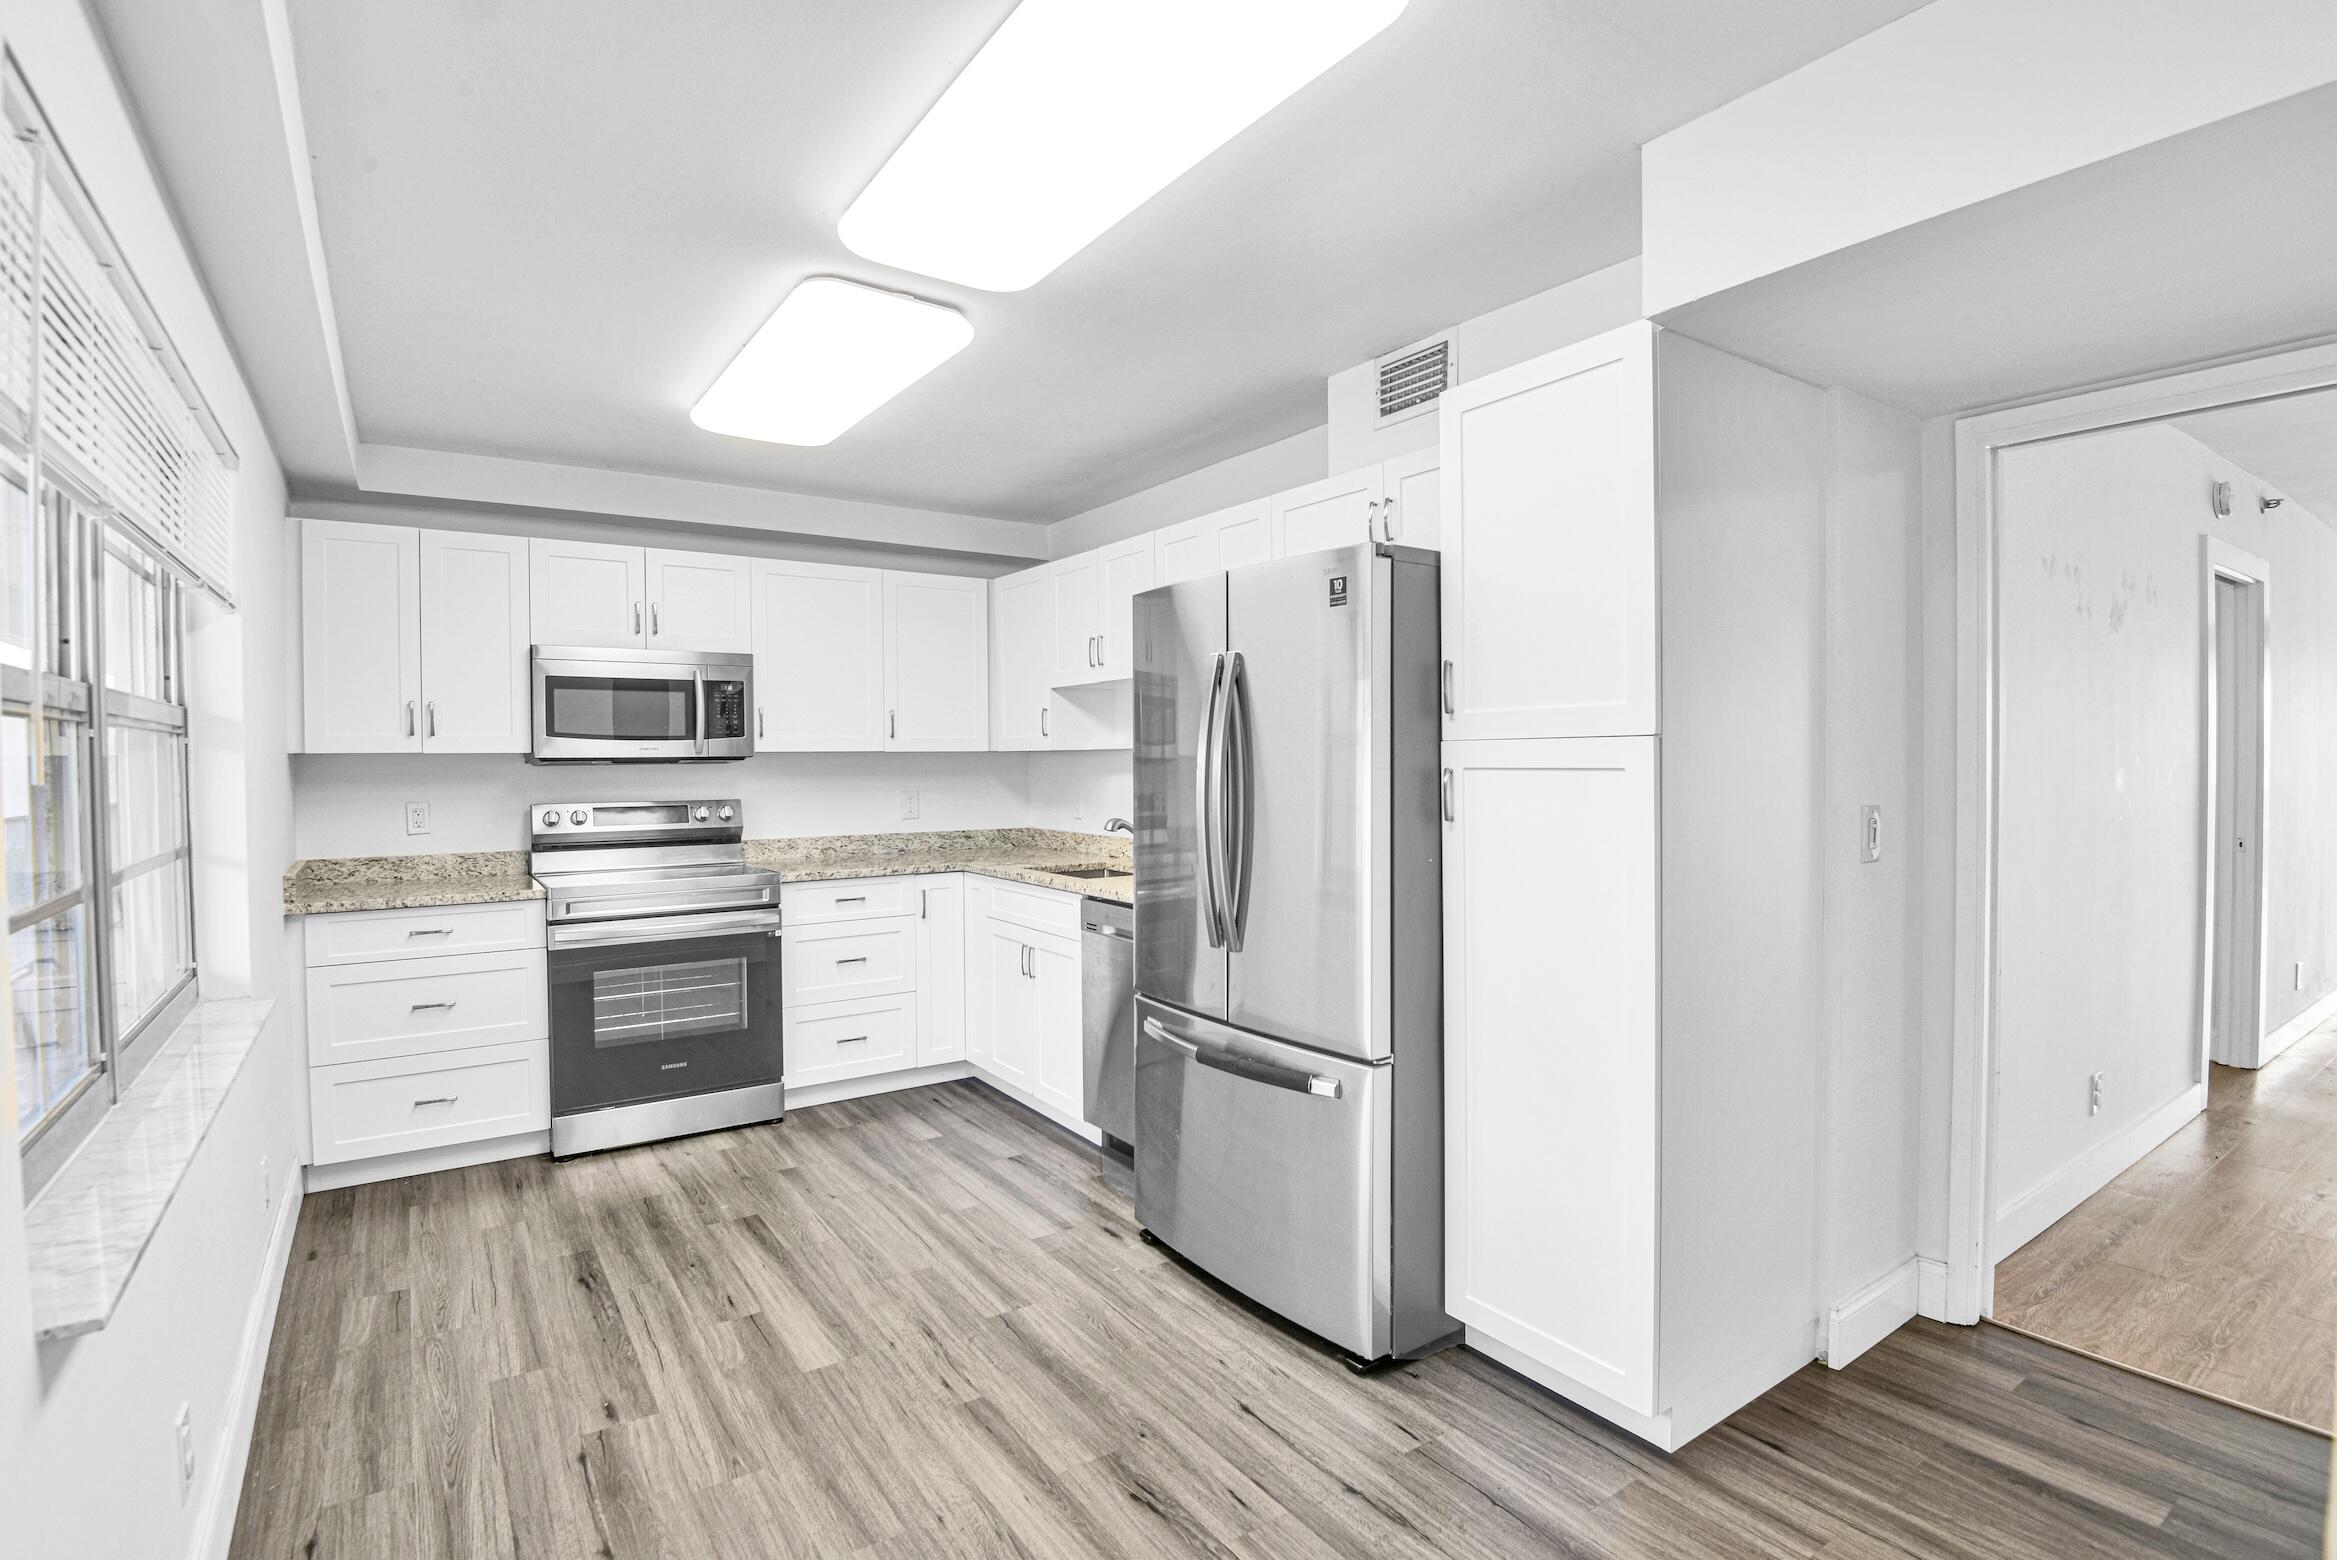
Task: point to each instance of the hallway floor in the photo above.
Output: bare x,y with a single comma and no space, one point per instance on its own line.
2213,1261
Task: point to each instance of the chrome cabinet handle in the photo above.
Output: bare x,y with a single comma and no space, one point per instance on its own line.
1445,787
654,630
758,722
1042,720
858,958
889,721
1387,521
1445,686
437,1099
424,1007
850,1039
409,717
1371,522
430,718
431,931
849,899
636,617
920,904
1296,1080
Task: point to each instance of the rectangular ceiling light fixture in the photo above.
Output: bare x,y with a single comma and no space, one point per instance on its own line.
831,353
1075,113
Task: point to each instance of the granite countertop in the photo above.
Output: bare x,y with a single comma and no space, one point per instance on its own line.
332,886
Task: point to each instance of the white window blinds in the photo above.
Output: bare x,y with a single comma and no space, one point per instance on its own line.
118,412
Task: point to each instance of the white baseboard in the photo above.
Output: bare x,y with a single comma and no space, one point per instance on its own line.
875,1083
2296,1028
2035,1210
1931,1288
1873,1313
1692,1415
215,1528
427,1161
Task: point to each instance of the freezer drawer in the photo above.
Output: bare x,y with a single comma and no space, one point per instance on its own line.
1266,1165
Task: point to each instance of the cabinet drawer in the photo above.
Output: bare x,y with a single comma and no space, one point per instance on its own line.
361,1110
363,936
1035,909
851,1039
841,960
408,1007
808,904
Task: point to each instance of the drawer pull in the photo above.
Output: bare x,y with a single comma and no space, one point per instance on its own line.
851,1039
851,899
858,958
431,931
437,1099
425,1007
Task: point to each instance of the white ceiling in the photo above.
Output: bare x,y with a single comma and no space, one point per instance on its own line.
2290,442
546,228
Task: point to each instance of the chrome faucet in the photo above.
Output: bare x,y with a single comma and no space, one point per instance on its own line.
1120,823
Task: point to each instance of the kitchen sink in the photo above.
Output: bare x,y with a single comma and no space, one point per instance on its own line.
1090,872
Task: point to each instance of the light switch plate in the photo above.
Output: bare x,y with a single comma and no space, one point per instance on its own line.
911,804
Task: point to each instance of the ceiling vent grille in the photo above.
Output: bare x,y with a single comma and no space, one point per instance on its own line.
1412,378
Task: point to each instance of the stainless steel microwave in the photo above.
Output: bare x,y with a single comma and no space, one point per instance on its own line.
601,706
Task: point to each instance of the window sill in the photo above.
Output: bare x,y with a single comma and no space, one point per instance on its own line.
86,1231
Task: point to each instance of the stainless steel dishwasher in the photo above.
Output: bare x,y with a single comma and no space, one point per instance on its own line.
1107,978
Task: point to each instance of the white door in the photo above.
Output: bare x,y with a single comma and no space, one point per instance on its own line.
1549,586
1552,1073
1125,570
588,593
819,658
1340,511
1060,1038
360,637
2235,1023
937,663
1022,610
475,672
1411,503
941,968
1078,625
1002,995
699,601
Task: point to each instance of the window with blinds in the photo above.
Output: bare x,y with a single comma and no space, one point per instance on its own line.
81,350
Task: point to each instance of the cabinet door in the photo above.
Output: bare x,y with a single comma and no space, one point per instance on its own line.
1340,511
1023,633
1552,1073
588,593
699,601
1411,499
937,663
1004,998
360,637
941,968
1227,539
1124,570
474,643
828,622
1245,535
1549,544
1060,1039
974,955
1078,621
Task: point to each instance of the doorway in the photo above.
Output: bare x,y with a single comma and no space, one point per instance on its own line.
2237,614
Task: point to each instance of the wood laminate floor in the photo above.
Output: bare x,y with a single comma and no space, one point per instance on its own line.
922,1326
2213,1261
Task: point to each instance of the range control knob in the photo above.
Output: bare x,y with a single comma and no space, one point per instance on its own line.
551,817
700,814
724,814
578,816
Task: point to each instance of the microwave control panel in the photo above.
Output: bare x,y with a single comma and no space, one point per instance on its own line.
726,710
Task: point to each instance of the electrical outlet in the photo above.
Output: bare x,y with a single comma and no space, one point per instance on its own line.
1870,833
186,1440
417,817
2094,1095
910,804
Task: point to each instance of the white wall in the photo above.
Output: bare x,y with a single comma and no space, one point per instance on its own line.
87,1463
1080,790
2101,789
1951,104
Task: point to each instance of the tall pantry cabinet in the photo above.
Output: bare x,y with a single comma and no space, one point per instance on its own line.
1633,533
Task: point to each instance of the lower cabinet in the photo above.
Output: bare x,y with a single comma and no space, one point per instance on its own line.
941,968
364,1110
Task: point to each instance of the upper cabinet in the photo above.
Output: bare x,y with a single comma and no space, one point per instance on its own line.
1411,502
412,641
1548,535
1123,571
1022,647
1228,539
609,597
1077,631
1341,511
829,619
936,663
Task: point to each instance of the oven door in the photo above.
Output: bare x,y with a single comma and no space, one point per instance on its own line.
617,709
637,1021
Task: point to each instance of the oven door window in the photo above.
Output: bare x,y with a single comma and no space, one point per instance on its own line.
668,1002
621,709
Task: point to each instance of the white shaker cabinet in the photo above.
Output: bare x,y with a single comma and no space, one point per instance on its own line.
937,663
361,632
588,593
1340,511
1124,570
699,601
1075,656
1022,639
1227,539
1548,534
475,670
1411,499
1023,997
829,621
941,968
1059,1052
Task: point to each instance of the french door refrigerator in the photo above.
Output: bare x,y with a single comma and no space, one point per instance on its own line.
1289,1049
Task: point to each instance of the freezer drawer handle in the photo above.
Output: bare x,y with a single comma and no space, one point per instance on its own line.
1291,1078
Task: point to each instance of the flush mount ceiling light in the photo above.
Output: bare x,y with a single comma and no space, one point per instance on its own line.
1077,112
831,353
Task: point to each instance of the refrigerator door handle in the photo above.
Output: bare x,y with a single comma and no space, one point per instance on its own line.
1233,763
1291,1078
1205,813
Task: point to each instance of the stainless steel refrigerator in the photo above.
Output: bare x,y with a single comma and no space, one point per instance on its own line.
1289,1049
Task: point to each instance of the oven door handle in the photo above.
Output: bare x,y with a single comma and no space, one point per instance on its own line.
661,928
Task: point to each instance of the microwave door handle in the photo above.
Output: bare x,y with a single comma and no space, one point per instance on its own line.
698,685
